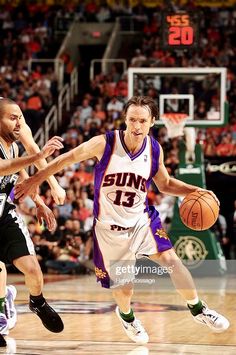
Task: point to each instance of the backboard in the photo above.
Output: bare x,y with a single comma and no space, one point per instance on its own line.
199,93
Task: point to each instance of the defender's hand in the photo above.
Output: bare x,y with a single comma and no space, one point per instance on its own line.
49,148
25,188
58,195
44,213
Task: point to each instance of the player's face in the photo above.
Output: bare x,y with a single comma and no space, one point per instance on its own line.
10,123
138,121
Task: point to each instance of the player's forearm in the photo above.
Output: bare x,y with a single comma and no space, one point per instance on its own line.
12,166
52,181
176,187
53,167
40,164
37,200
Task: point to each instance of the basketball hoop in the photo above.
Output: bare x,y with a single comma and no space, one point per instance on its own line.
174,123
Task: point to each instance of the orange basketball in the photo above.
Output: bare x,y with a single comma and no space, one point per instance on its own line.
199,210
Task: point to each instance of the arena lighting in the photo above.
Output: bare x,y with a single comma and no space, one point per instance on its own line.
96,34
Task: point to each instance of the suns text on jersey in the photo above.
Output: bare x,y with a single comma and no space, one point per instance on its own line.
125,179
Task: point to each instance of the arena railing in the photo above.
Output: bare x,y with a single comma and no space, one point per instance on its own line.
53,119
63,100
73,84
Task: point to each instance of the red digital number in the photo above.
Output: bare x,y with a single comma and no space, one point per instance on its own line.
185,20
178,20
180,36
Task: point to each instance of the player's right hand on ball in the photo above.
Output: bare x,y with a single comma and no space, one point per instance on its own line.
49,148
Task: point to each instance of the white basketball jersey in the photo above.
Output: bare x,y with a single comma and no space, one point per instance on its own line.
122,180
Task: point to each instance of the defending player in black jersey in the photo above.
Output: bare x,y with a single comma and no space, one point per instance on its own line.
16,245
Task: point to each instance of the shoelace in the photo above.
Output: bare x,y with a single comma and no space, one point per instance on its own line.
210,314
137,325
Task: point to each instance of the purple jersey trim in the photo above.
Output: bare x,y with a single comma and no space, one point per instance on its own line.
155,225
12,195
155,222
100,170
100,270
155,154
136,155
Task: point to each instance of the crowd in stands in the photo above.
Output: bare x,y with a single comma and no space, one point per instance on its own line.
27,34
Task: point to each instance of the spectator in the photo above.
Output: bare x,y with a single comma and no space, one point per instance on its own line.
226,146
114,108
65,257
82,175
84,111
139,59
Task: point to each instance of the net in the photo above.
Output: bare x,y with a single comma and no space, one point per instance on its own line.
174,123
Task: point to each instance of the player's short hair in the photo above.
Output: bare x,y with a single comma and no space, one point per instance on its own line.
3,102
143,101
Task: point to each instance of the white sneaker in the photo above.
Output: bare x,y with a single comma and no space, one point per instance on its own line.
10,306
134,330
212,319
11,346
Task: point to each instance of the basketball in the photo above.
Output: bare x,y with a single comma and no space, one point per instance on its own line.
199,210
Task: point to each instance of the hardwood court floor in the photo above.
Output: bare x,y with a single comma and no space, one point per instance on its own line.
92,327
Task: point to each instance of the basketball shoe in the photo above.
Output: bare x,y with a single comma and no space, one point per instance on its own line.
215,321
50,319
134,330
4,329
10,308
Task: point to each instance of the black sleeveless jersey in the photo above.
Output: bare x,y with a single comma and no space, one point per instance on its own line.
7,184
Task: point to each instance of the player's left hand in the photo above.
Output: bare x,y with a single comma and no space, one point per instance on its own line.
58,195
44,213
211,193
25,188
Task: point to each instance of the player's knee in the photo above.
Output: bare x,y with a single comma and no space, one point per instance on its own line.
123,292
127,292
35,271
29,266
170,259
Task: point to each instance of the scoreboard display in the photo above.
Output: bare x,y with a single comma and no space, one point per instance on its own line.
180,30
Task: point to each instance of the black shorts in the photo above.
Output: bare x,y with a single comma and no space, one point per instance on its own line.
15,239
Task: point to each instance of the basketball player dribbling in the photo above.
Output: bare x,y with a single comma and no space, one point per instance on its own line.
125,227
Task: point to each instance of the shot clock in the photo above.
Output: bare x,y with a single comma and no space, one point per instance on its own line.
180,30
